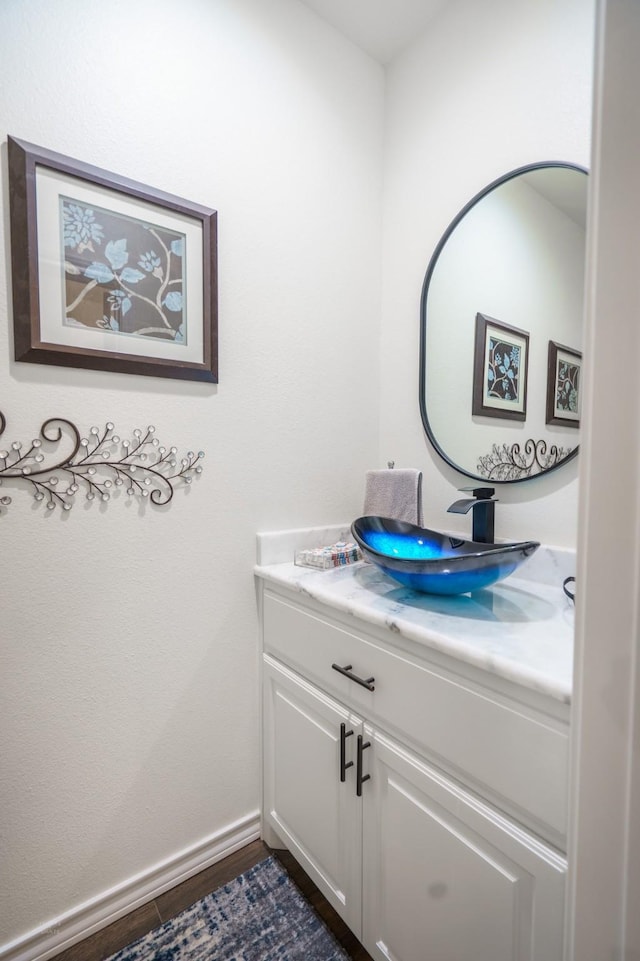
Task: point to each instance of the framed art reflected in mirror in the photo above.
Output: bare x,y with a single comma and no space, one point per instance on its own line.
564,386
500,364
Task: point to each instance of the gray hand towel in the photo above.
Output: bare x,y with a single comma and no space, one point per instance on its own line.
394,493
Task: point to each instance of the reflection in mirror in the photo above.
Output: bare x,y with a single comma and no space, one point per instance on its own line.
501,335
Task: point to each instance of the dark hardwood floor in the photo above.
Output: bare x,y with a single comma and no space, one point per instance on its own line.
133,926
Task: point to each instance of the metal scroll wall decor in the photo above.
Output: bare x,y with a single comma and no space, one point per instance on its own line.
98,464
511,462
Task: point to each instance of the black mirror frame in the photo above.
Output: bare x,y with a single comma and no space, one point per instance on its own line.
527,168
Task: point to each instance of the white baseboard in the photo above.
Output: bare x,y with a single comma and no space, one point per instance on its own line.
60,933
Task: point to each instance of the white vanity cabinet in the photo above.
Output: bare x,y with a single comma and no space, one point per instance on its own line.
315,812
428,807
446,877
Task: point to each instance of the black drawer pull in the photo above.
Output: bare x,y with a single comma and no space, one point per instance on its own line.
344,764
346,670
360,777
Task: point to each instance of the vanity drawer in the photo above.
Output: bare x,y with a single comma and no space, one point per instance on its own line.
310,645
517,754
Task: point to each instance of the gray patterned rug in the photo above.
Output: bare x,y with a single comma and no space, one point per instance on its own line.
260,916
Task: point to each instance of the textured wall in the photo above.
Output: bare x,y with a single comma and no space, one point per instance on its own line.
129,645
129,637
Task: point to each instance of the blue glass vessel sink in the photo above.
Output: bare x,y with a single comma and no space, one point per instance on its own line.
436,563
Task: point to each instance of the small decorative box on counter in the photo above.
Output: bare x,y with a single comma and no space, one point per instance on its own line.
324,558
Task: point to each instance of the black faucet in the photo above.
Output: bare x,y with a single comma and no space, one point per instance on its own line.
483,505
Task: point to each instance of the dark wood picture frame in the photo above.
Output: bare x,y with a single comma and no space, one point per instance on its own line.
505,369
564,386
187,352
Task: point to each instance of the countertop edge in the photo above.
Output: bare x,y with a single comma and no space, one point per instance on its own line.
527,677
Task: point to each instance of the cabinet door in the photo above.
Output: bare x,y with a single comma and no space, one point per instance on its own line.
447,878
315,813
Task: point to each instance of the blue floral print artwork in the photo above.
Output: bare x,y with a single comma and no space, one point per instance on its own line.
503,370
122,274
500,361
567,387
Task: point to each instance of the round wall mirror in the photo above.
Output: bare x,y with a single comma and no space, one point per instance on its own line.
501,327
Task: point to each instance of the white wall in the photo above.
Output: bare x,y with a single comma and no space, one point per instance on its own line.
604,838
489,87
129,637
129,681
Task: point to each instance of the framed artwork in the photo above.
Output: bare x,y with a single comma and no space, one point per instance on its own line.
107,273
501,357
564,388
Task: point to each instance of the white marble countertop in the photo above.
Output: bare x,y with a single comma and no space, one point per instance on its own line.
520,629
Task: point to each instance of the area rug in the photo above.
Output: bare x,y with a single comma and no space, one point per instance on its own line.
260,916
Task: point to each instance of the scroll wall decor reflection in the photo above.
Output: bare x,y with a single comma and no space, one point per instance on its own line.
97,466
108,273
508,462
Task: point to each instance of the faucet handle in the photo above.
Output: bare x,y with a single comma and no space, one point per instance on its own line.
480,493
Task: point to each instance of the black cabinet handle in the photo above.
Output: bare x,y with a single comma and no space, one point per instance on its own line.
360,777
346,670
344,764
